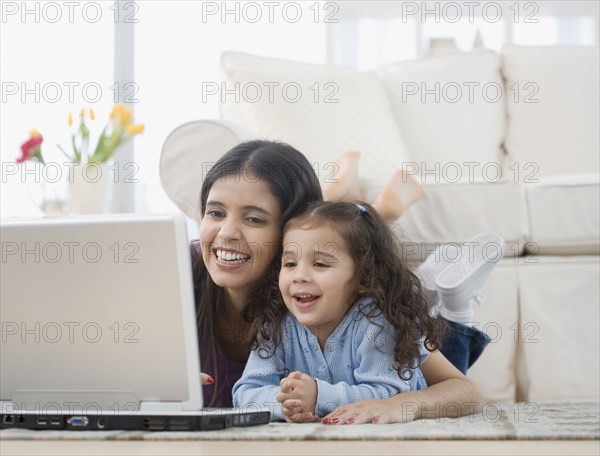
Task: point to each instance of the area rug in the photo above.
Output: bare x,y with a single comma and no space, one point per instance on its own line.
521,421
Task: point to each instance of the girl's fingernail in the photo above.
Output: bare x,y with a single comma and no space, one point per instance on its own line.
325,420
350,420
210,380
375,421
336,420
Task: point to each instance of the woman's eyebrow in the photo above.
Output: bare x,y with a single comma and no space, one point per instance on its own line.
256,208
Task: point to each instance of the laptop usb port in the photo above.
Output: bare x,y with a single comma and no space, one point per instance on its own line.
41,421
155,424
78,421
55,422
179,424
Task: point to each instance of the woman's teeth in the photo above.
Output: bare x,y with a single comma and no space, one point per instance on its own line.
231,257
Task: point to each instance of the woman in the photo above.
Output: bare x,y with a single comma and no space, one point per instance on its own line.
246,198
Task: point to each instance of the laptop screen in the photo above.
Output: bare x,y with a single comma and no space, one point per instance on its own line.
98,312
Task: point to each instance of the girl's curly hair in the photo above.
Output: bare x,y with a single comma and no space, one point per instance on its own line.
380,273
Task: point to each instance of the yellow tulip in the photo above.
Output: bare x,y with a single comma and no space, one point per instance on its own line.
34,133
117,110
70,119
92,117
134,129
126,116
114,111
81,114
122,114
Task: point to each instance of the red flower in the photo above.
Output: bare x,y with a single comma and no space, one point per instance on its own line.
31,149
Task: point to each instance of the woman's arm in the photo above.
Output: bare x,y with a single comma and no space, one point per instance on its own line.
449,394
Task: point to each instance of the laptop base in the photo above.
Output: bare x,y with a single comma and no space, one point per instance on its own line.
133,422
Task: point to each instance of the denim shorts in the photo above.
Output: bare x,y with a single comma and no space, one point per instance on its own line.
462,345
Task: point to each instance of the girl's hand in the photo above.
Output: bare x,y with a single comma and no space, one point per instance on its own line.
376,411
301,387
292,410
206,379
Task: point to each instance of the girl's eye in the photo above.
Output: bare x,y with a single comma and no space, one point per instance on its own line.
288,264
320,264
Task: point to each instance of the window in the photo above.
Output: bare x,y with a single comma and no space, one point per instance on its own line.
171,66
56,59
375,33
59,57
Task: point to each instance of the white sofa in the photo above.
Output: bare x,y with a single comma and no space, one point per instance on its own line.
501,142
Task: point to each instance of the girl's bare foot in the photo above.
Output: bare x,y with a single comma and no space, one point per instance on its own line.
400,192
347,185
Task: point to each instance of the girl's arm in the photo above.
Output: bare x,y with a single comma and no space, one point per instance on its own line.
450,394
260,384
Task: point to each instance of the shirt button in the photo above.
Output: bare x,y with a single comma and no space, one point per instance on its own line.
329,348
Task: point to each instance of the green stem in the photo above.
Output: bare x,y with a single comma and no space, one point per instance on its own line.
71,159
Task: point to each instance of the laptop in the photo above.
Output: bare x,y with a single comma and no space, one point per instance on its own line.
98,327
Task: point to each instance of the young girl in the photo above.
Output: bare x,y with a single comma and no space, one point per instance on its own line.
354,323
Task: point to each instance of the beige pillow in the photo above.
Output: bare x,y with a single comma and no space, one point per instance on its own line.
322,110
553,120
450,109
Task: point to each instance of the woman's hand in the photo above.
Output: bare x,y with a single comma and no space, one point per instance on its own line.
206,379
376,411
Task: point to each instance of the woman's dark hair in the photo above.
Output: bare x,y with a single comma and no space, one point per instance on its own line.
380,273
295,185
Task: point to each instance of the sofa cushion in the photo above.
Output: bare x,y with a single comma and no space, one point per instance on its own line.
494,371
457,212
552,96
449,108
322,110
564,215
558,337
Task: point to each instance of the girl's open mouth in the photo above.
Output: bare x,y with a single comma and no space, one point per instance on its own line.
304,301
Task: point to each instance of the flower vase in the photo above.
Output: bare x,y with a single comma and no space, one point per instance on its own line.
88,188
48,190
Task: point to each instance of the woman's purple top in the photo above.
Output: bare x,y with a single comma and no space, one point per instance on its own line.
229,372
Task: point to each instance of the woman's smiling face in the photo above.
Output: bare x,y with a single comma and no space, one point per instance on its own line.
240,232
